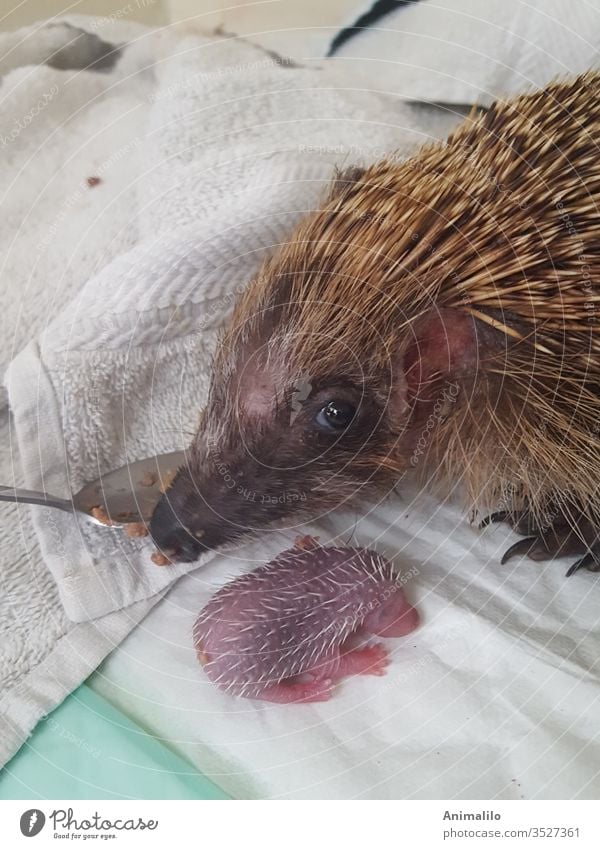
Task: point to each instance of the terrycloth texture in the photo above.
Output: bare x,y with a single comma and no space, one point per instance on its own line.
43,656
57,128
124,284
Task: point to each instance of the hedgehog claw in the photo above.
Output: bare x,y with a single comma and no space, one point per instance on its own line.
523,546
589,561
493,518
559,537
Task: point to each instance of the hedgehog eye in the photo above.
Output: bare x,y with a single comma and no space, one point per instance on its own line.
335,415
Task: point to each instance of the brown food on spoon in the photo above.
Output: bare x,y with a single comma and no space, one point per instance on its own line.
136,529
101,515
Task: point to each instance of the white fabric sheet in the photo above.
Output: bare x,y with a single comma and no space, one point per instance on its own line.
465,51
495,695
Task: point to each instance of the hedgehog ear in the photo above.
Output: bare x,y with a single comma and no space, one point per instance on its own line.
441,347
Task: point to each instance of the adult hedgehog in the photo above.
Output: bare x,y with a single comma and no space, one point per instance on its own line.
440,314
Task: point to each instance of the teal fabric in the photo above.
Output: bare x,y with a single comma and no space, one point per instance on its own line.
87,749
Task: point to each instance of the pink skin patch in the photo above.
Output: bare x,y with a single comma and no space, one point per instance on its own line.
255,388
444,343
371,660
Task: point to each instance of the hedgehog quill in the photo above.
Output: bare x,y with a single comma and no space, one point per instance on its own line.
457,287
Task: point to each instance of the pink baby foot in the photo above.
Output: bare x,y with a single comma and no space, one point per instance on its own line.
309,691
371,660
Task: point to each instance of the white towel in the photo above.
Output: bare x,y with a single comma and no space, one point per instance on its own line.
56,129
466,51
121,374
208,152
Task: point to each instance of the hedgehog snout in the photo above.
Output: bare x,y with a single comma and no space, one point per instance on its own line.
184,525
171,535
395,617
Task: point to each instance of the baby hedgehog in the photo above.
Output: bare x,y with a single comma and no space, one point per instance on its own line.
288,630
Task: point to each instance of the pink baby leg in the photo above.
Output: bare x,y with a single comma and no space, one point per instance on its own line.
371,660
327,667
285,693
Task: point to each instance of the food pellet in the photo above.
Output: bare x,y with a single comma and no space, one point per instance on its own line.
166,480
160,559
101,515
136,529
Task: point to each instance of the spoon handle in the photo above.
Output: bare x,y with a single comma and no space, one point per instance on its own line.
30,496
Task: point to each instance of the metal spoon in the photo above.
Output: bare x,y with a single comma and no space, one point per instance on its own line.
125,495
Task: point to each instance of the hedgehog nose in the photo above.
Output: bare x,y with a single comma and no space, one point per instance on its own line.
177,543
172,537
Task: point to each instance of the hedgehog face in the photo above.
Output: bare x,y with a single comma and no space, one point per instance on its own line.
273,449
322,382
287,436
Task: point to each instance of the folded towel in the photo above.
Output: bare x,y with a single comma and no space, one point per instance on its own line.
234,150
58,128
55,130
207,153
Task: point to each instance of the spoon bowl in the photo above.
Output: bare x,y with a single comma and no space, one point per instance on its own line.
125,495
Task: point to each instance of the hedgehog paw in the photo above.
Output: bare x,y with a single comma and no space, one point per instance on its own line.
558,539
371,660
521,521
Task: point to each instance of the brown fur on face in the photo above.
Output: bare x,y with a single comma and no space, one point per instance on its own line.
450,301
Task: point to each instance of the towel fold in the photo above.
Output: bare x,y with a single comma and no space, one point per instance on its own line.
233,151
